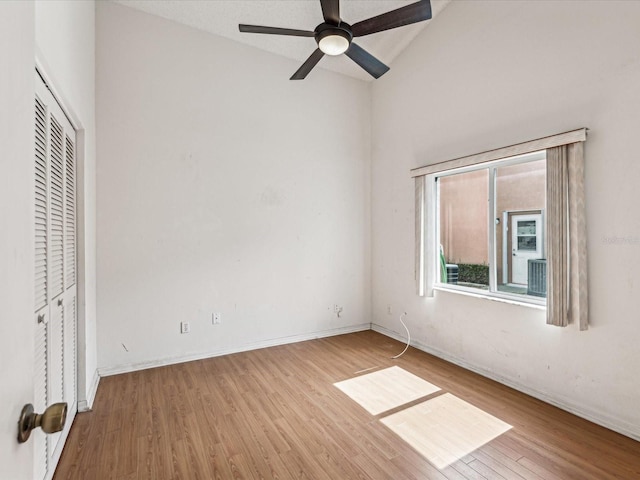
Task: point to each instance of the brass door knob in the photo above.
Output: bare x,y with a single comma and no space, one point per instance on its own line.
51,421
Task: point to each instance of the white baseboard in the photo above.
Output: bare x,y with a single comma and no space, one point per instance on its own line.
106,371
569,405
85,405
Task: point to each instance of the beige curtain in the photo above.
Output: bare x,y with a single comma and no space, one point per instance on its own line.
567,298
419,235
424,236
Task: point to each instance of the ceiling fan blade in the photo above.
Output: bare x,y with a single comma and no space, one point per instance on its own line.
308,65
331,11
275,30
413,13
371,64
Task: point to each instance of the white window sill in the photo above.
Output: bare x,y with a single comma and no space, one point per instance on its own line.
537,305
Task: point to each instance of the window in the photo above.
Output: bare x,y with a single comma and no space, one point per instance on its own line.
508,223
490,228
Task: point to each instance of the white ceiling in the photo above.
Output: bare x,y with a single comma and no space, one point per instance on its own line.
221,17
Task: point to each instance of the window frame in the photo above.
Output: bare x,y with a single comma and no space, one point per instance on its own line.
492,167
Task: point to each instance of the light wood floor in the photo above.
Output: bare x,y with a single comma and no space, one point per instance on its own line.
275,414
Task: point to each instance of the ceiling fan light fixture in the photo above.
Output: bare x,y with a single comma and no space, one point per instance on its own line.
334,41
333,45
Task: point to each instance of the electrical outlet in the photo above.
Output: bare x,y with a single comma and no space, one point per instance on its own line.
217,318
185,327
336,308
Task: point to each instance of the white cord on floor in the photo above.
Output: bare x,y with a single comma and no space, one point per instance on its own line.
408,336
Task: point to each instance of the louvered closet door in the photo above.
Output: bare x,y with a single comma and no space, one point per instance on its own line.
55,272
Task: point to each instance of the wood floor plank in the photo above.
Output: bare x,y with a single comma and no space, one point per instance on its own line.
502,464
218,464
275,413
540,468
466,471
491,473
417,466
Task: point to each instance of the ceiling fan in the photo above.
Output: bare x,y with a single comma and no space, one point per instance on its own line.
335,37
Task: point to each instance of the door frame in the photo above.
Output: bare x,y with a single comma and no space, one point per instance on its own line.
43,71
507,242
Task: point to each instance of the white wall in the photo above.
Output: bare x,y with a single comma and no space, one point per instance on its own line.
65,49
491,74
16,239
223,187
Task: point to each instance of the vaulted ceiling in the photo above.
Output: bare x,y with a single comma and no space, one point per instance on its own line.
221,17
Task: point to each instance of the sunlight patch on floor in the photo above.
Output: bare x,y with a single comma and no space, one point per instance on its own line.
383,390
445,428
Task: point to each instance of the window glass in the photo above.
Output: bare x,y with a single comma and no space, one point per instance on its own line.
464,232
519,234
491,228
